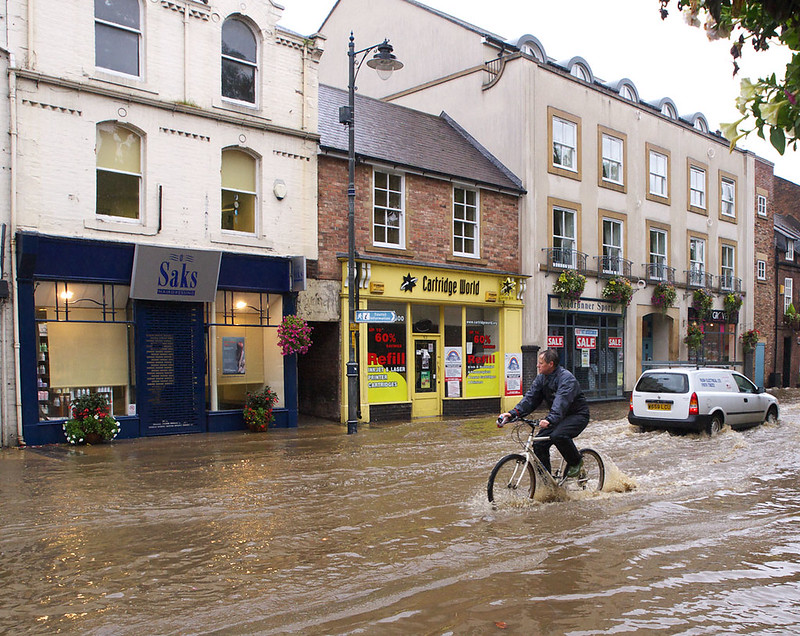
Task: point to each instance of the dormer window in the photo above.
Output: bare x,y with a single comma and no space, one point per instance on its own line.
668,110
579,71
626,92
701,125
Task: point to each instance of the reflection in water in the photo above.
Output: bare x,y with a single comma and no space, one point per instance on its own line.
316,532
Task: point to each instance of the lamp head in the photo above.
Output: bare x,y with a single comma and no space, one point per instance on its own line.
384,62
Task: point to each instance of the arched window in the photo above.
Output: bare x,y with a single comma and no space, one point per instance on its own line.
239,67
117,35
119,171
626,92
701,124
239,197
669,110
579,71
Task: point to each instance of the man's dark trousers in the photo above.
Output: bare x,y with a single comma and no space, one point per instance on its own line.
561,435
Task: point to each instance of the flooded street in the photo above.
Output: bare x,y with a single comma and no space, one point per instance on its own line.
312,531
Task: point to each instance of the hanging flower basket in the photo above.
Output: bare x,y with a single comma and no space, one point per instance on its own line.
732,303
702,301
791,318
294,335
749,339
664,296
91,421
618,291
257,411
694,336
569,285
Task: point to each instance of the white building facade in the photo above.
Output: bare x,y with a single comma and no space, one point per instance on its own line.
617,188
162,171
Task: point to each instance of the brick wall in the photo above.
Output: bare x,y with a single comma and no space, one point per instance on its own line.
787,350
429,215
764,291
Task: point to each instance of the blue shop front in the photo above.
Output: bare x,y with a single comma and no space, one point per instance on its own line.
174,337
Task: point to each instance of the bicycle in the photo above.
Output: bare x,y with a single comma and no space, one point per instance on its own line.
513,479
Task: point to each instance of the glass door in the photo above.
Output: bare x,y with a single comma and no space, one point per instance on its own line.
426,399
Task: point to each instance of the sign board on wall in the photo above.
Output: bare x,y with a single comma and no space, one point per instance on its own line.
554,342
176,274
585,342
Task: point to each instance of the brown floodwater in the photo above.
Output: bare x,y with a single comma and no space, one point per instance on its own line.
312,531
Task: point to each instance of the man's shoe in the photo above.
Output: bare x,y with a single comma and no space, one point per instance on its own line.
574,471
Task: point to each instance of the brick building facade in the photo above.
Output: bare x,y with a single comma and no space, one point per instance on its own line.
764,264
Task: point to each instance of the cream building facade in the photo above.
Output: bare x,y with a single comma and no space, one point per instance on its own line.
179,135
616,186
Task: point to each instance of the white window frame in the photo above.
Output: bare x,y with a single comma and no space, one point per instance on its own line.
256,199
658,259
789,249
727,197
727,266
562,143
657,177
564,241
387,209
121,27
761,269
697,187
248,63
138,175
762,205
697,260
612,252
579,71
613,153
787,294
475,239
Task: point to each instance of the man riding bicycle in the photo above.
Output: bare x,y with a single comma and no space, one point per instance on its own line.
568,414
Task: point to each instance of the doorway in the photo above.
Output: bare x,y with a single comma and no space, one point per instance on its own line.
426,394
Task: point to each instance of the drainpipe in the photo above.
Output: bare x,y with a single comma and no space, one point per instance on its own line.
185,53
12,103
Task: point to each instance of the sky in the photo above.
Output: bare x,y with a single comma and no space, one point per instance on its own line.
618,38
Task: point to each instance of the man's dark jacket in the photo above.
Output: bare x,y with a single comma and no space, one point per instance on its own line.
560,391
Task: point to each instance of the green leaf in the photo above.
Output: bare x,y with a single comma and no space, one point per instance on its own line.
778,139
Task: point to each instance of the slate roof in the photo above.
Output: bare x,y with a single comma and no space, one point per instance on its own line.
411,139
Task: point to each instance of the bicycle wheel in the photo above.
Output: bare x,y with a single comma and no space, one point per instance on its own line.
512,481
593,474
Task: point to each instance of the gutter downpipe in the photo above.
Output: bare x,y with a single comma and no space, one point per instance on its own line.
12,102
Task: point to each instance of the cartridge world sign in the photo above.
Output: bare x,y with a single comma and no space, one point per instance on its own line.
164,273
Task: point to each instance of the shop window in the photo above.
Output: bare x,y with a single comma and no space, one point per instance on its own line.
117,35
239,61
465,222
388,225
119,171
387,366
239,199
425,318
83,345
483,366
243,347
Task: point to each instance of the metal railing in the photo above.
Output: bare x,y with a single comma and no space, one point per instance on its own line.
657,273
699,279
729,284
559,259
613,266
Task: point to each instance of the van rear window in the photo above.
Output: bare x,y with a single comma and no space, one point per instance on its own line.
663,383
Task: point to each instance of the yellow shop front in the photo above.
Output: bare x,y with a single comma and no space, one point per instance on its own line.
434,341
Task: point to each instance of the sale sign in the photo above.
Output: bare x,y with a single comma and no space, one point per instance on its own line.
585,342
614,343
555,341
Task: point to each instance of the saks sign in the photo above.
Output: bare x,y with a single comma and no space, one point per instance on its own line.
162,273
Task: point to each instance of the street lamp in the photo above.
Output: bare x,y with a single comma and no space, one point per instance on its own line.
384,63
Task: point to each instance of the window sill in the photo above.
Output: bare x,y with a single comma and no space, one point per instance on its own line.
110,225
698,210
241,109
390,251
234,238
467,260
564,172
659,198
727,218
611,185
104,77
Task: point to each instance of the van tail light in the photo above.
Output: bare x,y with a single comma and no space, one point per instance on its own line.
694,407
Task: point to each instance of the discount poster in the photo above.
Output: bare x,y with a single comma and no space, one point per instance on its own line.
386,362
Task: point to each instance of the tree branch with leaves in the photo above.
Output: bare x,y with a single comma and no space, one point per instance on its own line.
769,106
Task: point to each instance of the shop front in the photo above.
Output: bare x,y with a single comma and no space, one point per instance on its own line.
435,341
588,335
173,337
718,345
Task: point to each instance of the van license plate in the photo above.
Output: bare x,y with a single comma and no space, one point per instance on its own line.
659,407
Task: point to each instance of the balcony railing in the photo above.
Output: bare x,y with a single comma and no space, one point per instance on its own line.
729,283
559,259
613,266
699,279
657,273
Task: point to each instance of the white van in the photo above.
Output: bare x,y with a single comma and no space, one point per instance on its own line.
699,399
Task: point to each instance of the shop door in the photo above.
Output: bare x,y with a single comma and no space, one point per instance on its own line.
170,368
426,399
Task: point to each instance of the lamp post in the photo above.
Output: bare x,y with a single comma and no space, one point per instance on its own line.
384,63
